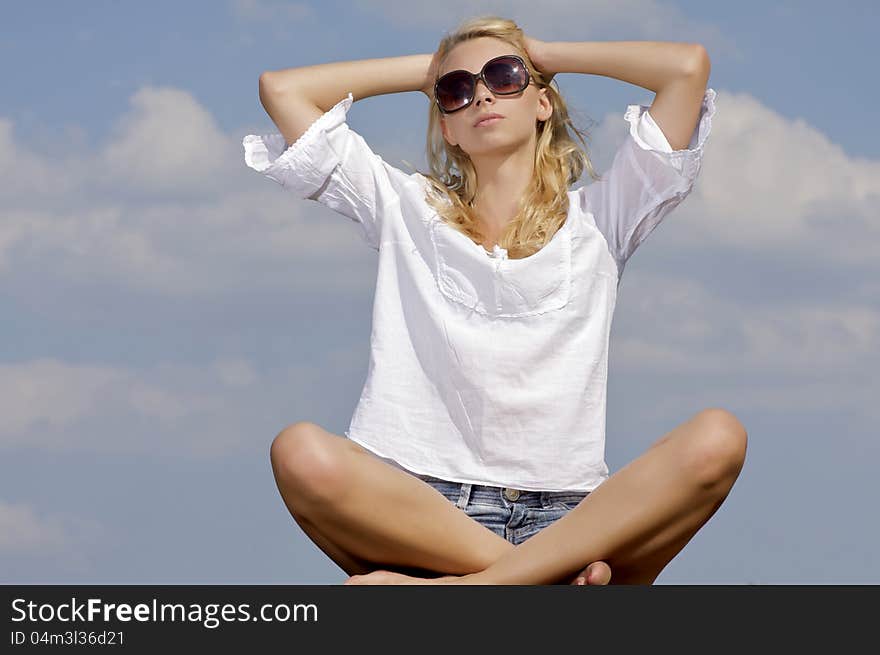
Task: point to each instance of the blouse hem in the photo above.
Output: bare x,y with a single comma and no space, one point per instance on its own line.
443,476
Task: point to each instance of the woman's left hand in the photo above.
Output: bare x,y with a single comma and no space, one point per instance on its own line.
535,51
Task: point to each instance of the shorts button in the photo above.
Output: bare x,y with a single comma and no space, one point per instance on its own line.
511,494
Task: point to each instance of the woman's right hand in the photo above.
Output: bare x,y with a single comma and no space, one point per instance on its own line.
431,76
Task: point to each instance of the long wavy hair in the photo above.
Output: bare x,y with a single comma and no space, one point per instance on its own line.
559,161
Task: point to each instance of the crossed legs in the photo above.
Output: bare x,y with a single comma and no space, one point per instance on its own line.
367,515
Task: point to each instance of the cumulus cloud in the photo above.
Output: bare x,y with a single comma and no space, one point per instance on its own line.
236,372
563,20
766,357
701,332
26,533
773,183
277,18
43,401
27,178
186,410
167,143
49,392
35,541
271,11
166,205
181,214
773,186
21,530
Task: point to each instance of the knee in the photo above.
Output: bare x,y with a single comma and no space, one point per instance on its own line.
718,451
304,462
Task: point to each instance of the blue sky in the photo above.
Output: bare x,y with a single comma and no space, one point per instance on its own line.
166,311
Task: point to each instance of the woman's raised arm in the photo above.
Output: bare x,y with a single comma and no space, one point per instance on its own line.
295,97
676,72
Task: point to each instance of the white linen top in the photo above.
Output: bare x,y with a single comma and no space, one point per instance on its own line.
485,369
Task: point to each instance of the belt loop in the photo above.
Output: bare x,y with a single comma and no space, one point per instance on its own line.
464,496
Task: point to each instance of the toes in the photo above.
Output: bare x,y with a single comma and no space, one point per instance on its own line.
598,573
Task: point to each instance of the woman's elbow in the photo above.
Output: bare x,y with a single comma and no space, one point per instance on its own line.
699,63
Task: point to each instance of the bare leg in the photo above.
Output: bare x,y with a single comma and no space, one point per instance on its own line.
348,562
646,512
639,518
305,456
370,512
597,574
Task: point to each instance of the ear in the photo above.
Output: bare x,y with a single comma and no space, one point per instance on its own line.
445,129
545,107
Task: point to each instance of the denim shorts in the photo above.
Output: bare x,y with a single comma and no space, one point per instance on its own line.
511,513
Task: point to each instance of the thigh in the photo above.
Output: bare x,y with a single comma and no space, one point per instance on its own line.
514,520
475,505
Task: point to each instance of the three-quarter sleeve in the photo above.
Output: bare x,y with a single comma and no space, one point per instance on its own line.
647,179
331,164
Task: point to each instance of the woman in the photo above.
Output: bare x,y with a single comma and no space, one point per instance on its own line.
475,454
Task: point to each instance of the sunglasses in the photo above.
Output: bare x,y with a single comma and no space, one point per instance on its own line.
503,76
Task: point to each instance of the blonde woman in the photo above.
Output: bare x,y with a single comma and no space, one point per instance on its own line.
475,454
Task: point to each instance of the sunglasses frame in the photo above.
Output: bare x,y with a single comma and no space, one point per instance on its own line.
479,76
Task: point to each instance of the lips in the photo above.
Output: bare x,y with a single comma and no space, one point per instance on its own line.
486,117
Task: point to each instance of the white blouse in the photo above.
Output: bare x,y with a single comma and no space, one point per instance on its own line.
485,369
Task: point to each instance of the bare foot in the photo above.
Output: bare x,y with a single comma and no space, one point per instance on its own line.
597,573
391,577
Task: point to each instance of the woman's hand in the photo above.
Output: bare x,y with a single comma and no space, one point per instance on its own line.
535,51
431,76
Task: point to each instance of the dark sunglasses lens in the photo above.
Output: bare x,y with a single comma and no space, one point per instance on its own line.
454,90
505,76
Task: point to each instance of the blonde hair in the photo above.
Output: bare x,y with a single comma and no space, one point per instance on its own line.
559,161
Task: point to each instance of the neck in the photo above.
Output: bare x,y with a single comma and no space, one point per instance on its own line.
502,178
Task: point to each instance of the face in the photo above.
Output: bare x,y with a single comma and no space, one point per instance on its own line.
520,111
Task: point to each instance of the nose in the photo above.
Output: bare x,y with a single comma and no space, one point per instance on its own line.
482,92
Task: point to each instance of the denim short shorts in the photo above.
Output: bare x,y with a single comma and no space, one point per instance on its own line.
511,513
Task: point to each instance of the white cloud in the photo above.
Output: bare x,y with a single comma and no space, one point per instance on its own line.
277,18
772,184
150,401
236,372
48,391
168,143
168,204
21,530
771,358
696,331
851,397
271,11
764,179
46,397
26,177
26,532
562,20
217,408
